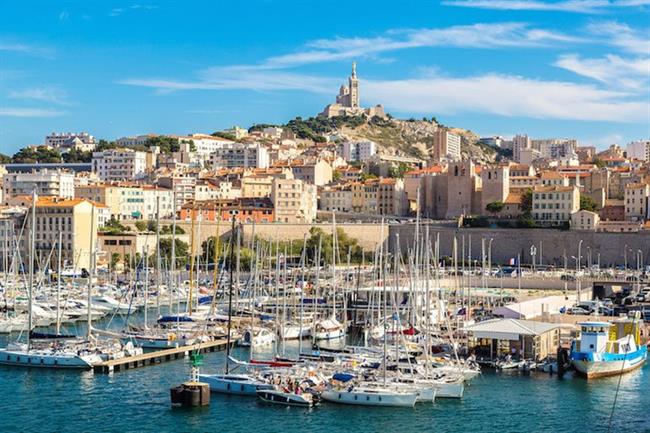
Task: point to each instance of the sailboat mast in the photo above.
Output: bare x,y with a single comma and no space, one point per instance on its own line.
32,257
172,264
58,287
230,289
90,272
158,264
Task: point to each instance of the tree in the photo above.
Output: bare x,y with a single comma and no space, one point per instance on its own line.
527,203
76,155
141,226
113,226
587,203
115,258
398,171
599,163
182,251
4,159
31,155
495,207
336,176
167,230
105,145
152,225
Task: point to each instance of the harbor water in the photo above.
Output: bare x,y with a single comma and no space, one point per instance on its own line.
40,400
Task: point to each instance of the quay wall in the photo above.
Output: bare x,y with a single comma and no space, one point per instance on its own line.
370,236
552,245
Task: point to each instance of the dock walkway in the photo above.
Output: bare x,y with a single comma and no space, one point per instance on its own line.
158,356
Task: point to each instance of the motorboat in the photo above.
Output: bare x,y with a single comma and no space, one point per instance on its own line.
239,384
329,329
257,337
302,399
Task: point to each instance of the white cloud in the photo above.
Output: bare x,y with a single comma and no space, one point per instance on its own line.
232,78
633,73
29,112
115,12
578,6
17,47
622,36
47,94
510,96
481,35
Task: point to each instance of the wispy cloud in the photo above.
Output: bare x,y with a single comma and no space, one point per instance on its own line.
577,6
22,48
481,35
227,78
613,70
510,96
622,36
29,112
120,10
54,95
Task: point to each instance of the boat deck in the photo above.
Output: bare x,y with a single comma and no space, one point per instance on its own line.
159,356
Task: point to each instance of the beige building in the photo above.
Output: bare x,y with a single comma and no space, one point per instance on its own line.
75,220
336,198
636,201
126,201
553,205
495,183
584,220
318,173
295,201
446,146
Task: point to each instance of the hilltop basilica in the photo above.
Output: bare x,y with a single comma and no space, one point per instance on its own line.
347,101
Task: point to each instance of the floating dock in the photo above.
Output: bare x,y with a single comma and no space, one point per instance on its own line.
159,356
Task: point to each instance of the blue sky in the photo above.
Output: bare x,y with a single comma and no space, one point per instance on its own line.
566,68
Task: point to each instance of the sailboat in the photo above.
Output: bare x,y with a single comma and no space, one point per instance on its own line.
55,355
228,383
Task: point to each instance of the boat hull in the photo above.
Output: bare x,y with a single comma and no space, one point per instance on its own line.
233,384
44,360
286,399
370,398
603,365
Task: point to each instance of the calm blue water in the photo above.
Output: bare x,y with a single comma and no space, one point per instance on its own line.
138,401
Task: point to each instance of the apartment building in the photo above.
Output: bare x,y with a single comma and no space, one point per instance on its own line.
585,220
636,199
56,183
77,220
119,164
243,209
554,205
519,143
318,173
247,155
294,200
446,146
352,151
127,202
336,198
639,150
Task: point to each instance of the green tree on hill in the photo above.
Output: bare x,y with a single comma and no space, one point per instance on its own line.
30,155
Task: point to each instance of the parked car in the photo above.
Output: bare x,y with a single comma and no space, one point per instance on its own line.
578,310
568,277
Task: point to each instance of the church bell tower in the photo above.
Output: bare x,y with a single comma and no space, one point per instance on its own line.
354,87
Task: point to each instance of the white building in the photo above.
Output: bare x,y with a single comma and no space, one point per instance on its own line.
45,182
555,148
119,164
247,155
357,150
637,196
64,141
133,140
639,149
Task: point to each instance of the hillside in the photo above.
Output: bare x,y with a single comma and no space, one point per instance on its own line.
394,136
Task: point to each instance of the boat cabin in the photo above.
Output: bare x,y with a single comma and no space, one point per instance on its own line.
593,337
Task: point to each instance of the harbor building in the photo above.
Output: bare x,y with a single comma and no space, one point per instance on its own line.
526,338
